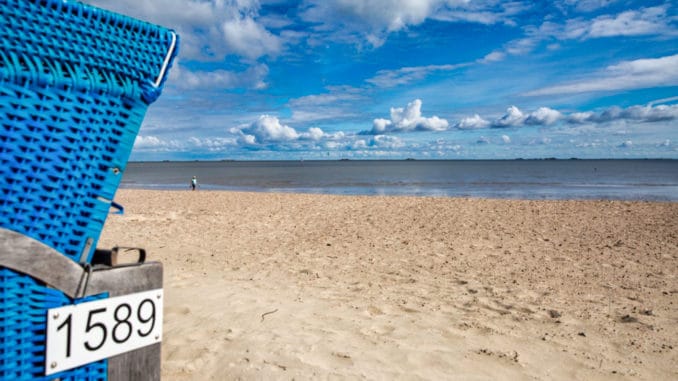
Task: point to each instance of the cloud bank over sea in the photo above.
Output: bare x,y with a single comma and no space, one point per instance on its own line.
278,79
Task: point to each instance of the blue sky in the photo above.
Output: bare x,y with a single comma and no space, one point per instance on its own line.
425,79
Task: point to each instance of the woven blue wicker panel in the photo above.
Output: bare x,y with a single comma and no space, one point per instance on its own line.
23,320
75,83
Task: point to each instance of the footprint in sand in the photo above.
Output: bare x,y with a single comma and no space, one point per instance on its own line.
382,329
373,311
342,358
177,310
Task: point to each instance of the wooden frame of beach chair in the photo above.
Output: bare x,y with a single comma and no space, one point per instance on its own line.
23,259
75,83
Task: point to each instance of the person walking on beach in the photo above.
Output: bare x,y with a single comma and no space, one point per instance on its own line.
194,183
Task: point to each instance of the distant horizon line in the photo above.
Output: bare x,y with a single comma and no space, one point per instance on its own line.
406,159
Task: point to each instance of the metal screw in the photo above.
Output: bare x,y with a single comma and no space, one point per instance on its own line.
56,315
157,337
158,296
53,364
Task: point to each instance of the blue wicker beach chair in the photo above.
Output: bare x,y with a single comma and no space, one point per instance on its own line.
75,83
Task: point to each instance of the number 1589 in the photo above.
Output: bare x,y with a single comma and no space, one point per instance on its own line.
87,332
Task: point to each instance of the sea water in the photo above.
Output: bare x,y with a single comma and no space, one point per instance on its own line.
652,180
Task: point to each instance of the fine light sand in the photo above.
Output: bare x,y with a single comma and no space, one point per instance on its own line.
289,286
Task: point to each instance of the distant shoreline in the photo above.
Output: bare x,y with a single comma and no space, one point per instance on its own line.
651,180
395,160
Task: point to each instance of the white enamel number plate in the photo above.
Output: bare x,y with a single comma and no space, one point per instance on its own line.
87,332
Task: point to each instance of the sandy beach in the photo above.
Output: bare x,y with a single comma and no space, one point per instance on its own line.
295,286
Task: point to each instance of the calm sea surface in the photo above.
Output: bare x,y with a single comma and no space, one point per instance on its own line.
655,180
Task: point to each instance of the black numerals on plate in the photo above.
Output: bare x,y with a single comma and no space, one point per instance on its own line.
145,320
67,324
90,326
121,331
122,321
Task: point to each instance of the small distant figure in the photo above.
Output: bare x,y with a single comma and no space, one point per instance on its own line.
194,183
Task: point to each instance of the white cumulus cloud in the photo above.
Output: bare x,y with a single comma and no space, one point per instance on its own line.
152,143
473,122
544,116
147,142
651,114
269,129
579,117
372,21
246,37
513,117
208,29
314,133
647,114
408,119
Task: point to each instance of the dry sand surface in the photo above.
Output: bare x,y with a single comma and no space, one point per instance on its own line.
291,286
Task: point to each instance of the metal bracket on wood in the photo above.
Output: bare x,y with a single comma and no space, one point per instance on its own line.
31,257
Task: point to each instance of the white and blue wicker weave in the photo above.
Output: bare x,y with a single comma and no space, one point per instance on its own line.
75,83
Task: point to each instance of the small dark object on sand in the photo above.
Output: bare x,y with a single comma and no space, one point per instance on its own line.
554,314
